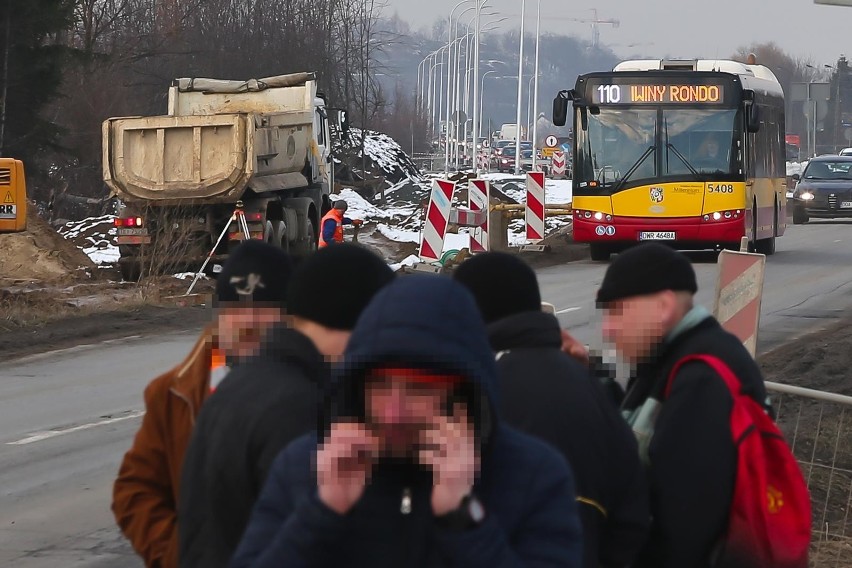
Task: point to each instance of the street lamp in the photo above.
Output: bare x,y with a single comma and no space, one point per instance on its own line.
535,96
451,34
529,105
520,89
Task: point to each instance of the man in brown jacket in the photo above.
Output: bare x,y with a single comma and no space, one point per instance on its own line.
250,299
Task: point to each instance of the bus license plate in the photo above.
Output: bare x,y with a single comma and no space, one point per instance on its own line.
657,236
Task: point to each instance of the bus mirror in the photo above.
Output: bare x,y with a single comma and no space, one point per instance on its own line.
560,109
595,110
584,118
754,118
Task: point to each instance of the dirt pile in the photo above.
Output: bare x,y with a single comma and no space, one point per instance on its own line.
40,253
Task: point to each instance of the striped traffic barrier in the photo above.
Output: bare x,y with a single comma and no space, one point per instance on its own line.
739,289
534,211
557,164
437,216
479,197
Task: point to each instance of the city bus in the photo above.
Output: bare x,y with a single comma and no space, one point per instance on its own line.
691,153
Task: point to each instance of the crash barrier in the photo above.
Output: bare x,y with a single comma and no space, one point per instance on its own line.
558,165
739,288
535,210
437,217
487,218
818,427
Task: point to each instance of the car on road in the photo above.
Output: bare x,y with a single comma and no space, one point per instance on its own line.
824,190
506,161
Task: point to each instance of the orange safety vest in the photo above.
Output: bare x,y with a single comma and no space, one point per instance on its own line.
337,216
218,368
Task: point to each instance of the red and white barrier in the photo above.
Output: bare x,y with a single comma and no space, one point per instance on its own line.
558,164
479,197
437,217
738,293
534,213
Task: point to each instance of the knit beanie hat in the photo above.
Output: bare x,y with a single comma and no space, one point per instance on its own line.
646,269
333,285
255,272
502,284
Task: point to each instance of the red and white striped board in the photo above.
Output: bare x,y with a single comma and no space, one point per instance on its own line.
739,290
437,216
557,164
479,196
534,213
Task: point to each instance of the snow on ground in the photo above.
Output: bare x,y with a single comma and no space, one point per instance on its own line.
95,236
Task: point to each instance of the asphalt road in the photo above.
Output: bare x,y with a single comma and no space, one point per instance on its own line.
67,417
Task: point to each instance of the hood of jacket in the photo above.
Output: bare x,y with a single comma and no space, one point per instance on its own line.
427,322
525,330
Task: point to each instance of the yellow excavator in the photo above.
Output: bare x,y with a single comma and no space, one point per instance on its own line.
13,196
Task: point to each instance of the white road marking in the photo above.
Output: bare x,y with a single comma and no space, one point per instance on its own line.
39,436
566,310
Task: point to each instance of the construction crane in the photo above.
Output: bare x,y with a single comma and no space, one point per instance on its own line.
595,21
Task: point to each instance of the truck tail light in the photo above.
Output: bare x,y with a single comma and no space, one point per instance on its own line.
128,222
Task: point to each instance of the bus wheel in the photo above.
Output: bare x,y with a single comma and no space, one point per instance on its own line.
599,252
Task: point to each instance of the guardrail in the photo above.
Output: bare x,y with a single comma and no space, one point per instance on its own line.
818,427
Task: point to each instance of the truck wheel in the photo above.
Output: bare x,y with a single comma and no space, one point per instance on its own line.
130,271
279,235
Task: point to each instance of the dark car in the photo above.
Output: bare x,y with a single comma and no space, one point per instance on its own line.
824,190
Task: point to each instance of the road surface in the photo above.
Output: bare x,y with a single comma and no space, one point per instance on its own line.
66,418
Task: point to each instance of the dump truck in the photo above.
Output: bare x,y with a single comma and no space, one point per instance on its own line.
258,151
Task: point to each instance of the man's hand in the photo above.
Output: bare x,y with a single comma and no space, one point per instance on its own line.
344,462
574,348
449,448
357,222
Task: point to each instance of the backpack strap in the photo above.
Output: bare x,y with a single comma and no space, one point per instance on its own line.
721,369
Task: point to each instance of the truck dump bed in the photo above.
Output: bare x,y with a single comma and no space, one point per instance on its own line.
219,138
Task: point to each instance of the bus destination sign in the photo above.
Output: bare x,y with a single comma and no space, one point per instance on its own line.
629,94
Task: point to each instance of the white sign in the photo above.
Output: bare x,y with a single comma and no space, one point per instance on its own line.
8,212
551,141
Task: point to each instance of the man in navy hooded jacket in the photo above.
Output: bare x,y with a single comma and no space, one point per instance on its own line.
415,468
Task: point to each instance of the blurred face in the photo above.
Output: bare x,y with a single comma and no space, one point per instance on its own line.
634,326
712,148
398,410
241,329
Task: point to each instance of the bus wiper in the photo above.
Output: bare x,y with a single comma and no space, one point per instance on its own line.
650,150
670,146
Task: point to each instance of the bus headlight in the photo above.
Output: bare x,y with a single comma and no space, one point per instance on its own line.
717,216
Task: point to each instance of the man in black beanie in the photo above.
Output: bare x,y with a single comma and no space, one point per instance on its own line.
546,393
250,298
685,439
271,400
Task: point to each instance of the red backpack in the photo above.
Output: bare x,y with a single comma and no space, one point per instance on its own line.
769,524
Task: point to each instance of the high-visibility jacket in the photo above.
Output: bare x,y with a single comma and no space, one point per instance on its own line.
335,215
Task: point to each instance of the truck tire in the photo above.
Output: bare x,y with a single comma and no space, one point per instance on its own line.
130,270
279,235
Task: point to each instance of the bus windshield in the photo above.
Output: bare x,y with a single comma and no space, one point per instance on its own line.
634,145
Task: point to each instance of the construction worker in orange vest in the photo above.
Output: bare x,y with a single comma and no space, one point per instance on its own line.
332,224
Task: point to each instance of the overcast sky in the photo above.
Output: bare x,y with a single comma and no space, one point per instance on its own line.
688,28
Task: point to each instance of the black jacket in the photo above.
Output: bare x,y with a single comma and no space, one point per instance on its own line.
692,456
524,485
260,407
546,393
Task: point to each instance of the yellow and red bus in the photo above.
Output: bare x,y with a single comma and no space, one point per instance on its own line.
691,153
